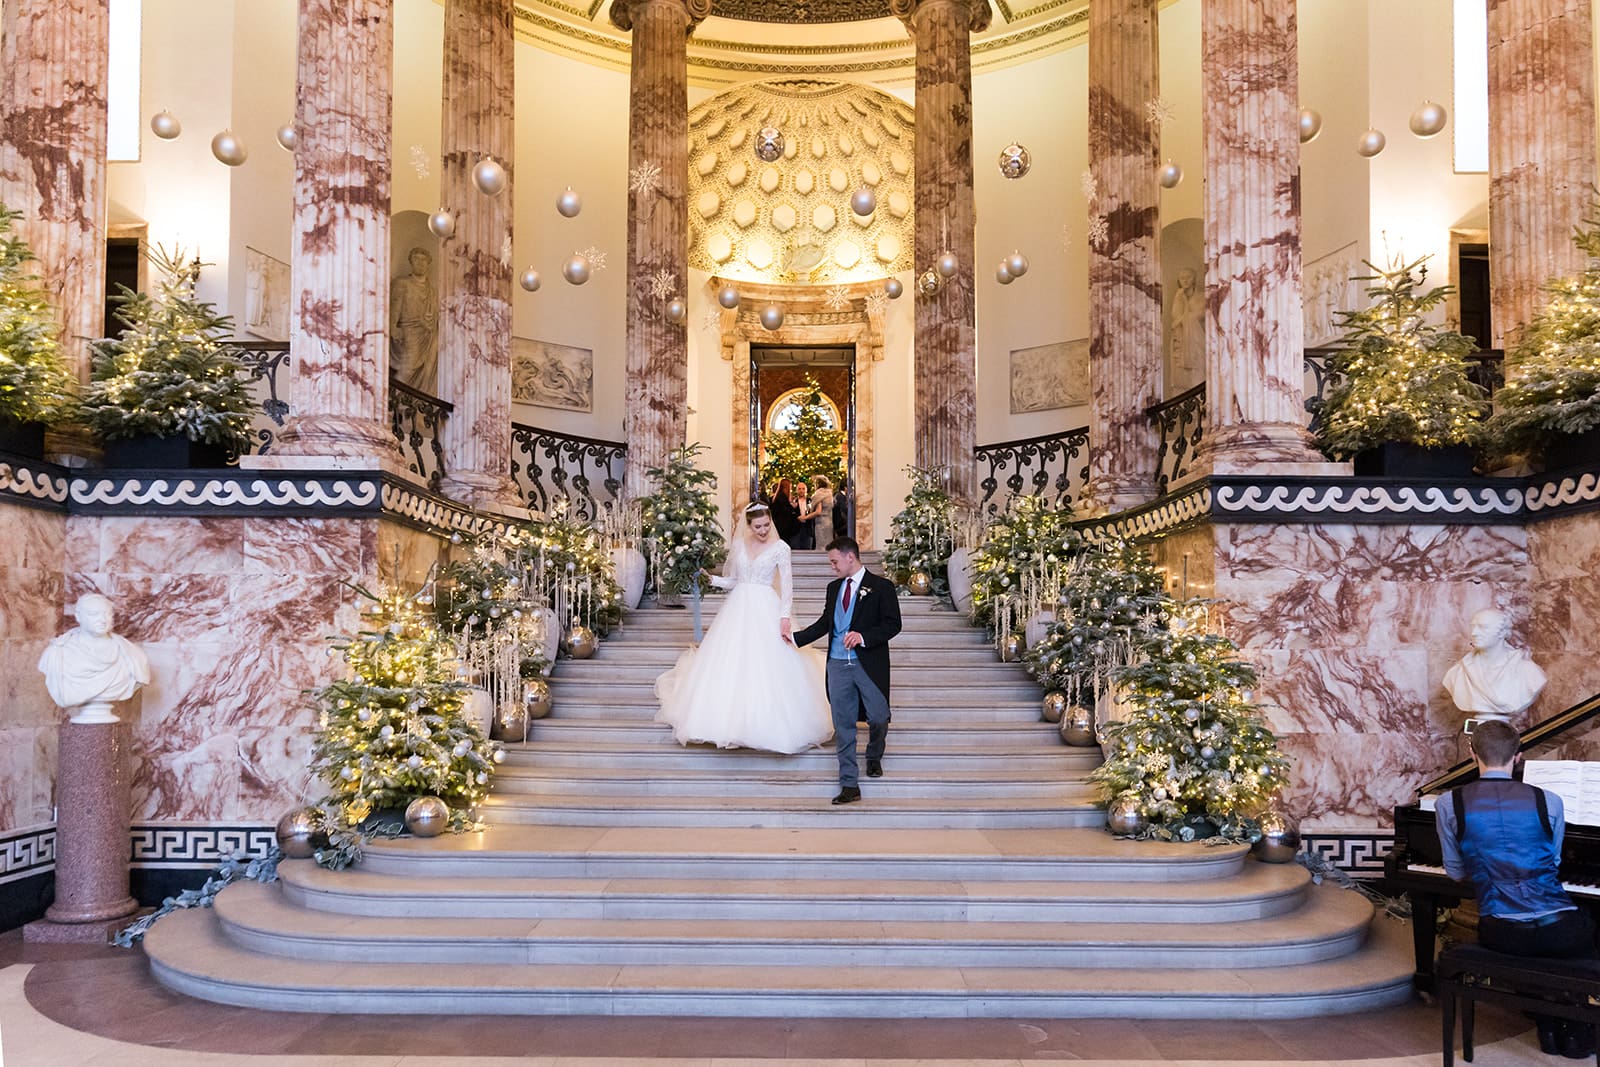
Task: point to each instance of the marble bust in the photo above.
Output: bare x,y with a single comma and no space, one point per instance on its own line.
1494,680
89,668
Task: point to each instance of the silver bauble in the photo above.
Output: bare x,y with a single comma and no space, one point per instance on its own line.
300,833
920,583
728,297
1428,120
576,270
893,287
510,723
530,280
569,203
1310,124
442,224
1280,838
1124,818
929,282
1017,264
536,698
864,201
490,177
1015,160
1011,648
427,816
947,264
769,143
771,317
229,149
165,125
1053,706
1077,727
1371,143
1171,175
288,139
580,642
677,311
1002,274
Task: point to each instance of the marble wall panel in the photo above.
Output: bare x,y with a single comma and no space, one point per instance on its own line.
32,543
1564,634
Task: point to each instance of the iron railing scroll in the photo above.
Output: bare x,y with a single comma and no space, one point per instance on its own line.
266,365
1055,466
1181,423
417,420
586,472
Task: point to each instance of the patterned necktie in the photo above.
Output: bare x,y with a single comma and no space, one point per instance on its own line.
844,604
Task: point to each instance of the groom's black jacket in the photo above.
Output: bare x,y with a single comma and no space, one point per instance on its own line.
876,619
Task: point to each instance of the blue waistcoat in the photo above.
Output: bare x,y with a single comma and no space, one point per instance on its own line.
1510,855
841,623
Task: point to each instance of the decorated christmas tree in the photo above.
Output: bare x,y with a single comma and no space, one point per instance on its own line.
1399,377
681,535
492,595
1194,754
394,729
813,446
573,566
34,382
924,531
170,374
1024,551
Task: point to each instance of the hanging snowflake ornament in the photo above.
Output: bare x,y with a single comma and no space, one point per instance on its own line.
1090,187
1157,112
596,258
1066,237
662,284
505,252
877,303
711,320
837,299
1099,230
419,161
644,179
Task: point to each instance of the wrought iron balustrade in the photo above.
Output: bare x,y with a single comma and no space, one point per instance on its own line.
1181,422
548,466
1055,466
417,419
265,362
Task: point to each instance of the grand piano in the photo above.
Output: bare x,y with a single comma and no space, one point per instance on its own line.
1417,865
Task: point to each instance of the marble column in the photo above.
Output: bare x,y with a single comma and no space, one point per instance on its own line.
53,76
945,356
475,272
1255,410
655,418
1125,269
1541,150
339,279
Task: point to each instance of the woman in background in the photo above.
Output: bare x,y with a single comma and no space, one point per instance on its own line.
822,501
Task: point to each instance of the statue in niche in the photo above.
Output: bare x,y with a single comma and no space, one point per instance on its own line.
1494,680
414,325
1186,337
89,668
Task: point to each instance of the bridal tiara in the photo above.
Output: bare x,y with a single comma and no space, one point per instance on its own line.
757,508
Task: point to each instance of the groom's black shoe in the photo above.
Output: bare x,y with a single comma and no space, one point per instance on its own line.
848,794
874,769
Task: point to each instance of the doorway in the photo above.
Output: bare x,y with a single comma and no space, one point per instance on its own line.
781,383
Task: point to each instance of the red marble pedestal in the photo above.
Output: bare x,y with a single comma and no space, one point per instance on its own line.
92,827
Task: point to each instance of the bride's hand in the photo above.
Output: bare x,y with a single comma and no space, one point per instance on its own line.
786,630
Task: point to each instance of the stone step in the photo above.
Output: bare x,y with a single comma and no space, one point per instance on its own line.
189,952
570,705
1258,891
258,918
961,735
928,675
904,693
878,809
663,654
521,781
651,754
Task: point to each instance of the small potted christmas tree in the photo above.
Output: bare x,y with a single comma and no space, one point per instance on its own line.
1403,402
169,392
679,525
918,551
35,386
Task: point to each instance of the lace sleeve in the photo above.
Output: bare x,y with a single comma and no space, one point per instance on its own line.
785,583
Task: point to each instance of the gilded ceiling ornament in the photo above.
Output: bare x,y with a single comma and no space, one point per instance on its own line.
803,11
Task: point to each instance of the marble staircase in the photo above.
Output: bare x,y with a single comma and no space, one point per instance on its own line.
625,874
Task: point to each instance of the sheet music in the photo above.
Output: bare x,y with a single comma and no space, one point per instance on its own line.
1576,782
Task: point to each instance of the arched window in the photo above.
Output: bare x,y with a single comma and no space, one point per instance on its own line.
786,409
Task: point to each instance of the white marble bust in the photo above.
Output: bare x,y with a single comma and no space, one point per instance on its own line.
89,668
1494,679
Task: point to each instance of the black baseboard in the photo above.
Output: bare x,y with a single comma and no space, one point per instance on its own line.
152,885
24,900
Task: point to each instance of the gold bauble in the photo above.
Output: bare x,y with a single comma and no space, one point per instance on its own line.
920,583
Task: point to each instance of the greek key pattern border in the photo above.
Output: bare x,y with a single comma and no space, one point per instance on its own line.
192,845
1360,855
25,853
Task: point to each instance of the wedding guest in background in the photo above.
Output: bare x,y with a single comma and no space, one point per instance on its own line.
822,501
785,516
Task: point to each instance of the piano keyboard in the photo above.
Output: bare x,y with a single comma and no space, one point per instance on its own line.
1577,889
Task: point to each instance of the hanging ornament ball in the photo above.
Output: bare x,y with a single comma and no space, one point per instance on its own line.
947,264
580,642
530,280
1428,120
229,149
569,203
1171,175
300,833
929,282
490,177
536,698
728,297
414,762
769,143
442,223
1310,124
677,311
893,287
1077,727
1003,275
1011,648
771,317
287,137
165,125
920,583
1371,143
1015,160
576,270
427,816
1017,264
1280,839
1053,706
1124,818
864,201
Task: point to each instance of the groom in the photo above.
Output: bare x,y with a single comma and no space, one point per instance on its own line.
860,617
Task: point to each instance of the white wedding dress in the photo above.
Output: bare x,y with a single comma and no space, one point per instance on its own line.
745,686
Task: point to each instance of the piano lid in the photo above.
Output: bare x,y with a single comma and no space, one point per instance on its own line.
1552,731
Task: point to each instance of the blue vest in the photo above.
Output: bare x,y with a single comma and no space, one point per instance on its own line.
1509,849
841,623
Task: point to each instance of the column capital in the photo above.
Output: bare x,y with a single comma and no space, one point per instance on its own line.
625,13
976,13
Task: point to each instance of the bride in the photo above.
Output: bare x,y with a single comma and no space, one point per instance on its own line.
747,686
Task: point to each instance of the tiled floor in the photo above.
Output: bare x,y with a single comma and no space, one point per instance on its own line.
69,1005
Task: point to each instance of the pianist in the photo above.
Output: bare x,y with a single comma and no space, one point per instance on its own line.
1504,838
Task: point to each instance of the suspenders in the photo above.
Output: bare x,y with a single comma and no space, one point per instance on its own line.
1458,799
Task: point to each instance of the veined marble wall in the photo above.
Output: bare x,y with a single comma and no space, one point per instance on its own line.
1565,632
30,605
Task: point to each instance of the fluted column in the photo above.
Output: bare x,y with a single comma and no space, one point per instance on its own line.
1255,411
944,357
1541,149
1125,269
53,75
655,419
340,250
475,274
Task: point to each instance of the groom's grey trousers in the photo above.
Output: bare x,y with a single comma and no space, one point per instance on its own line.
849,690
